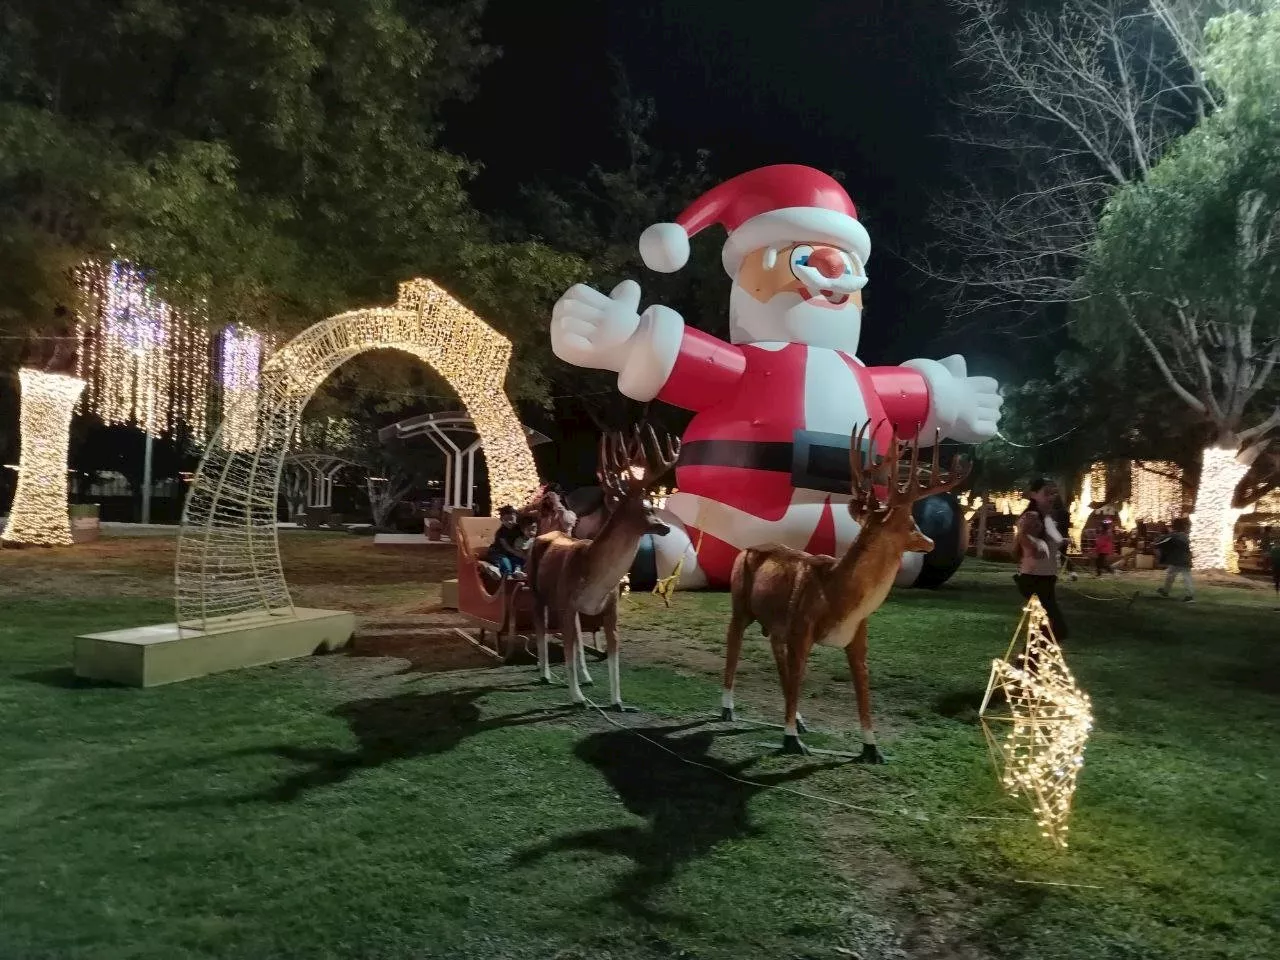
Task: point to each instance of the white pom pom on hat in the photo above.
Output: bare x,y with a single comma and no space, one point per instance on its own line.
664,247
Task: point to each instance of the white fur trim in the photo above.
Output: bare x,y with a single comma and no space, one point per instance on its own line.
664,247
652,353
795,225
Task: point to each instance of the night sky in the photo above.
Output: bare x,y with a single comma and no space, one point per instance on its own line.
862,87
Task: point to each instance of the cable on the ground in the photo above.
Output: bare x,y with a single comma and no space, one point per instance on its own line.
746,781
1033,446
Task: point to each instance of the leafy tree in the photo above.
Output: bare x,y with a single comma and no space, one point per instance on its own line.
1066,102
278,157
1187,263
599,220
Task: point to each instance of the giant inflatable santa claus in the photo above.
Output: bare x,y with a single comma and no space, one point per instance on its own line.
765,458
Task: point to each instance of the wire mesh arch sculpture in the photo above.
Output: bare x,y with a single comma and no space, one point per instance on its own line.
228,564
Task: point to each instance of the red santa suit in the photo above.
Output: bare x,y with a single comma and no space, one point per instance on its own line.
765,459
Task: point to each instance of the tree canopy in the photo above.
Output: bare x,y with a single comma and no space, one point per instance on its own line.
1186,264
282,159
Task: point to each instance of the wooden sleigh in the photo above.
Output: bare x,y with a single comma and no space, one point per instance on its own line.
501,608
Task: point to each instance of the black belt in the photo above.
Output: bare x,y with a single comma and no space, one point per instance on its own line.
815,461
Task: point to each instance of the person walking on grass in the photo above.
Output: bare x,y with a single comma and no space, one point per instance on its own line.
1104,550
1174,552
1036,546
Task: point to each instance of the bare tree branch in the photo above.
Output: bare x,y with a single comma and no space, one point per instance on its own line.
1070,105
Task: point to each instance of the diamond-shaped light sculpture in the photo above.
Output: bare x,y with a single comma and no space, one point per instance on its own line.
1038,734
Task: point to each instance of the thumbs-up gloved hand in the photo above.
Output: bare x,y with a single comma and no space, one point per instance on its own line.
591,330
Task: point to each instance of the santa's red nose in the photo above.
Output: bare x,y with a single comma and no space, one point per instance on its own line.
827,262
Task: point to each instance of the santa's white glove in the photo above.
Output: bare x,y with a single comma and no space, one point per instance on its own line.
964,408
591,330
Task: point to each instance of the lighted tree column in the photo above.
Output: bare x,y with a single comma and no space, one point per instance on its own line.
39,514
1213,524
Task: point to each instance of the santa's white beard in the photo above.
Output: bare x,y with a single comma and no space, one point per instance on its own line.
789,318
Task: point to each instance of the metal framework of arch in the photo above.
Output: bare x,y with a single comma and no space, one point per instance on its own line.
228,562
446,430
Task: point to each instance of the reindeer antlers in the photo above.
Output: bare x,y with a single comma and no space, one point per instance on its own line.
871,472
627,468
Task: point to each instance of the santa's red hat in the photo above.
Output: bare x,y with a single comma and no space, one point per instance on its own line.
771,206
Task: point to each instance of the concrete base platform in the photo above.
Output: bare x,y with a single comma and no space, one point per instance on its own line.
449,594
150,656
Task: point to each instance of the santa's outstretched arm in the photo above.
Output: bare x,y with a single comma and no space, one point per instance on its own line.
924,397
677,364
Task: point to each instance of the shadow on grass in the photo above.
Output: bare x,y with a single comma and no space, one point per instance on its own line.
63,678
960,705
690,809
389,730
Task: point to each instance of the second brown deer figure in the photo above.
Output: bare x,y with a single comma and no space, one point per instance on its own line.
574,578
800,599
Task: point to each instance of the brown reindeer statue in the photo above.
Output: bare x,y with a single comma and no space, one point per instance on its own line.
800,599
573,578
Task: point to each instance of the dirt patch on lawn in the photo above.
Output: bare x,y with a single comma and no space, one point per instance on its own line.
900,917
433,642
329,571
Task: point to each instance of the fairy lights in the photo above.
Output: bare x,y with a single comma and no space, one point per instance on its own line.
240,353
473,358
1048,722
1157,491
146,363
1098,483
1006,502
39,513
1126,517
1081,510
1213,522
228,555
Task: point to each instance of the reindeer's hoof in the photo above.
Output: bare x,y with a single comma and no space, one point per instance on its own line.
577,704
792,745
870,754
587,681
621,707
801,726
545,681
727,715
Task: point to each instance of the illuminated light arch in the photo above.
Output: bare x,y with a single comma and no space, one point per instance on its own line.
228,562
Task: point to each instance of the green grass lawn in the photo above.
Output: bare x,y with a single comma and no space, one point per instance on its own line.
349,807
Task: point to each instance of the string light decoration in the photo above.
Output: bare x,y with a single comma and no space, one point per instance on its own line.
240,354
1006,502
1268,504
1213,521
1048,723
1157,491
228,556
970,502
1098,483
1081,510
39,513
1126,518
146,363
